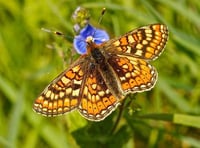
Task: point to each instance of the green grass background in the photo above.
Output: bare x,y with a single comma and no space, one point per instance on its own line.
168,115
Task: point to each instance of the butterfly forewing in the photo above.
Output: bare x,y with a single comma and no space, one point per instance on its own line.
62,94
146,42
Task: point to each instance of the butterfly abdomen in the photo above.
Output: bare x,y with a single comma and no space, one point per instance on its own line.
106,71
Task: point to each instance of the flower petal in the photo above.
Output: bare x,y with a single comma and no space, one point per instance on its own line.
80,44
87,31
100,36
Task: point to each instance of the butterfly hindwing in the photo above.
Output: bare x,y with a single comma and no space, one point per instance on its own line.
135,75
97,101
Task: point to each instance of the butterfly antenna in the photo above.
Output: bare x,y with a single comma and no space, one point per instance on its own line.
57,33
102,14
100,18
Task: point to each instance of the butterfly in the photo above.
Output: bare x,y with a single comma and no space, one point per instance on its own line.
98,80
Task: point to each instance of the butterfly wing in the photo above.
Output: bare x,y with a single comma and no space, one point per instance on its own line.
97,101
62,94
146,42
134,74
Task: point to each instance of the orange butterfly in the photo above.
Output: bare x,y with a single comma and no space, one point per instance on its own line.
97,82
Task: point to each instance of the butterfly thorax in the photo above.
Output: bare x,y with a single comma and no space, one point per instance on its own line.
90,44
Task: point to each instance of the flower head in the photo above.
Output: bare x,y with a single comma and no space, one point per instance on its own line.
80,17
99,36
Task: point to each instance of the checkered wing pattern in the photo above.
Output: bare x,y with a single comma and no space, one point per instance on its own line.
97,101
80,87
62,94
147,42
135,75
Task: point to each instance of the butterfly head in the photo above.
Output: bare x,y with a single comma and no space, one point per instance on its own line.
89,40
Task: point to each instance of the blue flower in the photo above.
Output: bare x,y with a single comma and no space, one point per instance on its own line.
99,36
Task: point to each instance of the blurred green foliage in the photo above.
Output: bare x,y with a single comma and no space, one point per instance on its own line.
166,116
